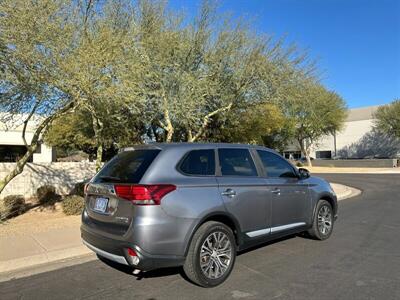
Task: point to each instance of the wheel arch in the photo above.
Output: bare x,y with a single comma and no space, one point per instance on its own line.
222,217
331,201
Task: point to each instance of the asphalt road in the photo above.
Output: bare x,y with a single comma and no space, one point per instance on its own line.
361,260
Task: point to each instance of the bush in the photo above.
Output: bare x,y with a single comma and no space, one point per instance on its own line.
79,189
12,206
299,164
73,205
46,194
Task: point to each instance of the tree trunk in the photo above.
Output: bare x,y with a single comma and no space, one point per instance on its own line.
308,159
305,150
33,146
99,157
97,128
170,133
19,166
189,136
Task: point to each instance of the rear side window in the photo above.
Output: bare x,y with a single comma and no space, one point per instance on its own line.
275,165
198,162
236,162
127,167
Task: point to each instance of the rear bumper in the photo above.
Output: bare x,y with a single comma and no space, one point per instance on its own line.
117,251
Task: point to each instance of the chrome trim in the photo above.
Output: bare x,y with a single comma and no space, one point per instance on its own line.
258,232
274,229
287,226
110,256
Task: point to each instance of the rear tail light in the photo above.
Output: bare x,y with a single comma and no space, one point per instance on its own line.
144,194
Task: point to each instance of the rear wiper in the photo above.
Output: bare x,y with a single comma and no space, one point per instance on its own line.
110,178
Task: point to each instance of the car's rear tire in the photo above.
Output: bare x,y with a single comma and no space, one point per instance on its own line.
323,221
211,254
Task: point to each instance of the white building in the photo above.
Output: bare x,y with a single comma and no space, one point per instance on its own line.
11,142
357,139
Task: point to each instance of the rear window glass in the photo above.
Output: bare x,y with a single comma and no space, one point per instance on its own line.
198,162
236,162
127,167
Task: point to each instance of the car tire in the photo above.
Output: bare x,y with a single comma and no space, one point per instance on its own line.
323,221
201,266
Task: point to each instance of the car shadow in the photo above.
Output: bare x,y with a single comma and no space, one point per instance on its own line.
179,270
149,274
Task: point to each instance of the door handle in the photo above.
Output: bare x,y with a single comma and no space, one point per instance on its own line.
276,191
229,193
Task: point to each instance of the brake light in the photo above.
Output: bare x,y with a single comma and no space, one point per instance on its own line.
144,194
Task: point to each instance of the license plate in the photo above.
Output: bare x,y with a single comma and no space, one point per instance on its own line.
100,204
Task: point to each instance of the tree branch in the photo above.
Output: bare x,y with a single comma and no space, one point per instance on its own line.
206,121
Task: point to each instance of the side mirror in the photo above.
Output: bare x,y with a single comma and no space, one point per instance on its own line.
304,173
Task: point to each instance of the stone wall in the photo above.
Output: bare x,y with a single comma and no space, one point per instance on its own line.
62,175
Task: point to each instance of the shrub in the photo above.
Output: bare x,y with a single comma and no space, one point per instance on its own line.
299,164
46,194
12,206
73,205
79,189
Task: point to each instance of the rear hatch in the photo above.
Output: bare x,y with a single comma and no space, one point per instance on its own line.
110,206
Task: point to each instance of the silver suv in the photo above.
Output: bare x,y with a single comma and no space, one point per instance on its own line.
197,205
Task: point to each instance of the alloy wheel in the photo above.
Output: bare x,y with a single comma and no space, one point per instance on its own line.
325,220
215,255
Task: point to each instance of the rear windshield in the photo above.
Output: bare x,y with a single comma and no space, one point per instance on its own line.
127,167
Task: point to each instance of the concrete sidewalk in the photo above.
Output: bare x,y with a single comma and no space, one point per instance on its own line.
29,247
21,251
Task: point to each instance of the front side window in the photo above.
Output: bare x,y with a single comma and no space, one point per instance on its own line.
275,165
198,162
236,162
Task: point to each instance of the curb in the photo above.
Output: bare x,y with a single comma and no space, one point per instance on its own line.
43,258
345,192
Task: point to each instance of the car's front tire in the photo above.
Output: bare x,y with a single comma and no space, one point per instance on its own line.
211,254
323,221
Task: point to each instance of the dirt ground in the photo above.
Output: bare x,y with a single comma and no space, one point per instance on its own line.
38,219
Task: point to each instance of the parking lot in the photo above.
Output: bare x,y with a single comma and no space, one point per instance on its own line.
361,260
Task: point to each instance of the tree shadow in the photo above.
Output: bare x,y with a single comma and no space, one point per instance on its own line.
373,144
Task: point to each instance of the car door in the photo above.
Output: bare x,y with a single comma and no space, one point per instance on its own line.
291,204
243,191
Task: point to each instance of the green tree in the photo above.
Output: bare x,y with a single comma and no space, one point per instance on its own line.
57,55
75,132
388,119
315,112
200,71
253,124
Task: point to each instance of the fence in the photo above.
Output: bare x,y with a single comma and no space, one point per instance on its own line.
62,175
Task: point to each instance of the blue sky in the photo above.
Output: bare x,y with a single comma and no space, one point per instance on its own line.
356,42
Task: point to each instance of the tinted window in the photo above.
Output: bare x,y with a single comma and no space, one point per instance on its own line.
127,167
199,162
275,165
236,162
